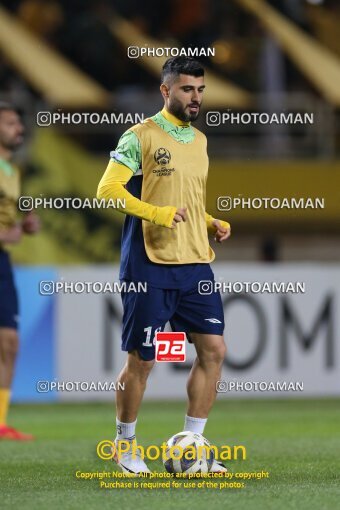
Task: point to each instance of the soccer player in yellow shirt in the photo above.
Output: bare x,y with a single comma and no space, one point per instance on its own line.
11,230
160,168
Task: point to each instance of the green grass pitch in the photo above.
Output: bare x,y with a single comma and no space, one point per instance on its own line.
297,441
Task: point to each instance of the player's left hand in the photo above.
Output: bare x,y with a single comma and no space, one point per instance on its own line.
221,233
31,223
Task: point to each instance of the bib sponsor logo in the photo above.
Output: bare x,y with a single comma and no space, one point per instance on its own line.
162,157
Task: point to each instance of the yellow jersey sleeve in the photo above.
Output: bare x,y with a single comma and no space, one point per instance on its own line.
111,186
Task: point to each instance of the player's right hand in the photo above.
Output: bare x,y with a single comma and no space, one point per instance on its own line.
180,215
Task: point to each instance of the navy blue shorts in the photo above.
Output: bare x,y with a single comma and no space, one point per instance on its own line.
187,310
8,294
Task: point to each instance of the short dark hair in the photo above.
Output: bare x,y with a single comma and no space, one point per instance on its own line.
175,66
6,106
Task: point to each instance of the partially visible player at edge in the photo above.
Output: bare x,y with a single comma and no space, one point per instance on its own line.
11,230
160,168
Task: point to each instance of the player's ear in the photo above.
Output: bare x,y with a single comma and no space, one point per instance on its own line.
164,90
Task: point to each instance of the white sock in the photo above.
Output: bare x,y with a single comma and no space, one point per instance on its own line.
195,424
126,431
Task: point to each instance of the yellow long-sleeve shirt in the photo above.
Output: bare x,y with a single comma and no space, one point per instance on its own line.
112,186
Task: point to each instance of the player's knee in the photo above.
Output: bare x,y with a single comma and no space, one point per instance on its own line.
214,354
145,367
219,352
140,366
144,370
9,345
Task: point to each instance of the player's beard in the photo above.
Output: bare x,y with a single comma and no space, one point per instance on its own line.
176,108
11,143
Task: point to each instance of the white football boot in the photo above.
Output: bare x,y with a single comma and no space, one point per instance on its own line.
131,462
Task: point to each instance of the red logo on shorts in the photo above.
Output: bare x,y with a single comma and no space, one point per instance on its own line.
170,346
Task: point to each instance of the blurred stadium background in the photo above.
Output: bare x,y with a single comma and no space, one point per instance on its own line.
274,56
271,56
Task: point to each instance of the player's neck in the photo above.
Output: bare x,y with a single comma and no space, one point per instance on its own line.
173,119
